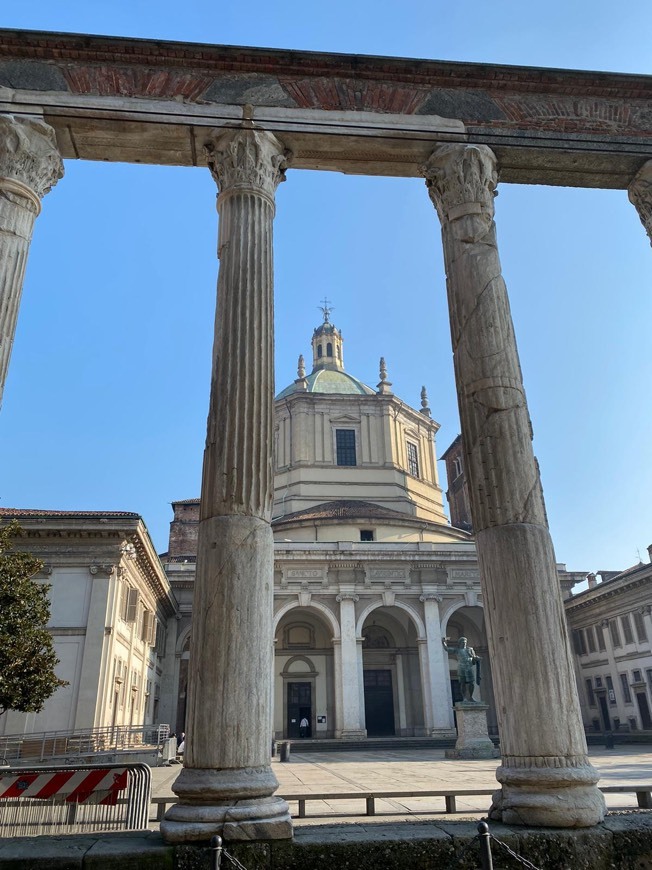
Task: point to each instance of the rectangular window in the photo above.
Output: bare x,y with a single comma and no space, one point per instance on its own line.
639,623
589,693
610,690
648,674
345,445
599,634
627,695
578,642
129,604
637,676
366,535
615,633
413,459
627,628
598,682
590,639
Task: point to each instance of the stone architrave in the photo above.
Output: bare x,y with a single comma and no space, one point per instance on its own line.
30,166
640,195
349,677
227,785
545,773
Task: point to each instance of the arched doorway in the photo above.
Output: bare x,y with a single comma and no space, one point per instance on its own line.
391,678
304,685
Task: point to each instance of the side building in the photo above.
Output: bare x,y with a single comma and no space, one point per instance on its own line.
611,628
111,605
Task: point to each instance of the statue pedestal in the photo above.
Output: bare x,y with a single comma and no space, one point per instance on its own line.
472,734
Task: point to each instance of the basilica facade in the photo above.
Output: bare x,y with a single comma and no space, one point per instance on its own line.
369,574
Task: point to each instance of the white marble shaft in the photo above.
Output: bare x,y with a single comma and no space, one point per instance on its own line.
227,785
30,166
640,195
435,676
545,774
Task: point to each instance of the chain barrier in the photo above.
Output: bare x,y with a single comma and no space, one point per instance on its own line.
484,838
219,852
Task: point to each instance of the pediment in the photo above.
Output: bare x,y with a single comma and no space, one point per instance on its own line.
345,418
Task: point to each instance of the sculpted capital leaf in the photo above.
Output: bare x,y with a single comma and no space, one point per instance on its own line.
461,180
246,159
29,157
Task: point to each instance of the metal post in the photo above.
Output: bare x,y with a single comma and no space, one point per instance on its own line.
485,846
216,849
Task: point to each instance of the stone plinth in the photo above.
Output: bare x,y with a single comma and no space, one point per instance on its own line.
473,739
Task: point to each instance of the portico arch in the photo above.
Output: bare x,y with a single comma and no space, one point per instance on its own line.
304,686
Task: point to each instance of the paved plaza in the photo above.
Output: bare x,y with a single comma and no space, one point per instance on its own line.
414,770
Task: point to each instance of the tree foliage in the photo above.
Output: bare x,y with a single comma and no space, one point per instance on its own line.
27,657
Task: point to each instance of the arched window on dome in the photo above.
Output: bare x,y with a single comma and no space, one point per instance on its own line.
329,349
319,350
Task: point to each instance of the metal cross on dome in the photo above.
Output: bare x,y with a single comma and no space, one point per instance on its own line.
326,309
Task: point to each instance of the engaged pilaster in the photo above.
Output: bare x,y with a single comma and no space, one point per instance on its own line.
640,195
227,784
350,658
545,774
30,166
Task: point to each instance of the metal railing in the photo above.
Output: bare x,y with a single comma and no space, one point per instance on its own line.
74,800
58,745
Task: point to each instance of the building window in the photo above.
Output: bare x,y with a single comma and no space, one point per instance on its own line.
413,459
457,467
598,682
639,623
578,642
648,673
345,444
589,693
319,350
129,604
329,349
590,639
366,535
637,676
599,634
627,695
627,628
615,633
610,690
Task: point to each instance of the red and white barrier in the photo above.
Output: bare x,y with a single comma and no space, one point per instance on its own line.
97,786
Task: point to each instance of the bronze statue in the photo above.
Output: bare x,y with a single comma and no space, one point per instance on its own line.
466,673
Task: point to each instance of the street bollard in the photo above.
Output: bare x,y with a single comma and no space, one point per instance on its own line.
486,860
216,852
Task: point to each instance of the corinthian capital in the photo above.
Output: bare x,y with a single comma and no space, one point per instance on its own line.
246,159
30,163
461,180
640,195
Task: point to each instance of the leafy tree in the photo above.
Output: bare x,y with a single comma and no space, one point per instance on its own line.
27,657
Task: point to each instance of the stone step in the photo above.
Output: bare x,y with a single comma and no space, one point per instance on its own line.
370,744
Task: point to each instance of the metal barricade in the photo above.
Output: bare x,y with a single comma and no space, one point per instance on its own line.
74,800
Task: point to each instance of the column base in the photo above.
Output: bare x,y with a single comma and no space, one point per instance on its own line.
263,819
549,795
237,804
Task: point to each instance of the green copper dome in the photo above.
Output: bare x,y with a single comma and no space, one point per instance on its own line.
334,381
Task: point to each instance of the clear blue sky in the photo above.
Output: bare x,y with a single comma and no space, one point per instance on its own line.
105,406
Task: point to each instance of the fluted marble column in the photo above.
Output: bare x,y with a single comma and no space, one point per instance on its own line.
438,672
640,195
227,784
351,690
545,773
30,166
